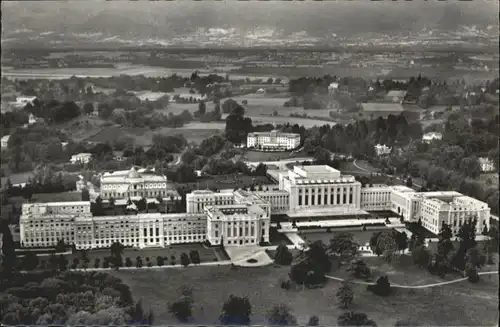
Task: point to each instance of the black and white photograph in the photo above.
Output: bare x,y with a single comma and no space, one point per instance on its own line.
249,163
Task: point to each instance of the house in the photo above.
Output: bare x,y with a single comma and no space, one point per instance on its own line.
395,96
33,120
382,149
81,158
22,101
431,136
5,141
487,165
260,91
378,109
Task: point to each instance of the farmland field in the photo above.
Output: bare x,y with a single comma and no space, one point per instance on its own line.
457,304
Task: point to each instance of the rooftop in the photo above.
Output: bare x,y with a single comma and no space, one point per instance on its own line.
58,204
378,106
397,93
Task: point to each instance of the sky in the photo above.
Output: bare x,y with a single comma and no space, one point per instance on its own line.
164,19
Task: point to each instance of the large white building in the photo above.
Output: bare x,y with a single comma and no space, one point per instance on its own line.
487,165
320,187
134,184
81,158
436,208
273,140
237,224
239,217
431,136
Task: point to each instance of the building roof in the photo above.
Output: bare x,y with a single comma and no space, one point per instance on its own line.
379,106
5,138
396,93
126,176
58,204
432,135
274,133
83,154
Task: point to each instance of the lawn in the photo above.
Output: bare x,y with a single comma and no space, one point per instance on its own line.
453,305
206,254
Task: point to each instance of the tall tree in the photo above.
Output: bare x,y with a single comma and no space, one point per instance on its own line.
345,295
236,311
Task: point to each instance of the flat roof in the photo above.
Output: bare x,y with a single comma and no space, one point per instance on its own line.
379,106
58,204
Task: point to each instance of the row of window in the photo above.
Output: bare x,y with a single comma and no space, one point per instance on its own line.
317,199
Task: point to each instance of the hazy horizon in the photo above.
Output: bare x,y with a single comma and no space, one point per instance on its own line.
33,20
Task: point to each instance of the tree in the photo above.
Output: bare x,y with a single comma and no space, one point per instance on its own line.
402,241
160,261
313,321
387,246
352,318
138,262
280,315
467,237
382,287
475,258
194,256
283,255
471,273
344,246
409,182
30,261
88,108
202,108
359,269
185,261
112,204
236,311
345,295
181,309
61,246
116,250
128,262
421,256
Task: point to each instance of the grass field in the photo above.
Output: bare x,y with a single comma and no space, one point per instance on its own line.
458,304
144,136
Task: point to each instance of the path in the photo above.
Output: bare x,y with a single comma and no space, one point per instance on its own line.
415,286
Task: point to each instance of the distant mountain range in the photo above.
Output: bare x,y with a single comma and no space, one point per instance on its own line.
246,24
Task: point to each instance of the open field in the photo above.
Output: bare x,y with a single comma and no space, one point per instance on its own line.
144,136
459,304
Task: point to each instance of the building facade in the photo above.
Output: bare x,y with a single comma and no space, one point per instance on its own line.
382,150
81,158
376,198
133,184
237,224
320,187
487,165
273,140
431,136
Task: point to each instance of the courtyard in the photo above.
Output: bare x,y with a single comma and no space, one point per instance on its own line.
360,236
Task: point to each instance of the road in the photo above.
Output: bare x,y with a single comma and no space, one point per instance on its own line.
281,164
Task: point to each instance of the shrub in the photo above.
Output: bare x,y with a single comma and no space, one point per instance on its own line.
252,260
313,321
285,284
359,269
382,287
150,264
128,262
283,255
215,259
160,261
472,275
105,264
